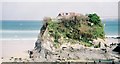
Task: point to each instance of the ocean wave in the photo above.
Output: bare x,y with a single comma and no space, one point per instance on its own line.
18,39
111,36
19,31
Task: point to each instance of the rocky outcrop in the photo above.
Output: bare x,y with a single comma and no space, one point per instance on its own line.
76,52
71,39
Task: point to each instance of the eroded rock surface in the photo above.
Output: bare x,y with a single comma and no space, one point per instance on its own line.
50,48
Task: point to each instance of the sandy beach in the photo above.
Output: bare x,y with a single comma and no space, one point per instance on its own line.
111,40
18,48
0,50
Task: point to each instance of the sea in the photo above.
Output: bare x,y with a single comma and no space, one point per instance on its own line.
29,29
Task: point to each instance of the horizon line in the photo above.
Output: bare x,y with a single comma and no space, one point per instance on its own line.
42,19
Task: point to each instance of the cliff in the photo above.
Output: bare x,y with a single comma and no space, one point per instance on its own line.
71,36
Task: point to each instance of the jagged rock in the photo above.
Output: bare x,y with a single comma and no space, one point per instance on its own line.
60,41
117,49
38,45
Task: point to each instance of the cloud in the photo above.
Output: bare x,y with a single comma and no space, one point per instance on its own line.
0,10
37,10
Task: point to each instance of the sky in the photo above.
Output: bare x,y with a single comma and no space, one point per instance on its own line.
0,10
59,0
38,10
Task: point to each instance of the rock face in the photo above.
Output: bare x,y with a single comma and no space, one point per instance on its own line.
117,49
70,37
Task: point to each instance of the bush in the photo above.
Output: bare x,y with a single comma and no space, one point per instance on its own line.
78,30
94,18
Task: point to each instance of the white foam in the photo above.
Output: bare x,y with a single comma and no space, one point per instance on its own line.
19,31
19,39
111,36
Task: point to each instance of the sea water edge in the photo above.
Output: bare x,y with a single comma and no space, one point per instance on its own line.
29,29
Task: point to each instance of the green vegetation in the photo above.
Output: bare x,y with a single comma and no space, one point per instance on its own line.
77,29
94,18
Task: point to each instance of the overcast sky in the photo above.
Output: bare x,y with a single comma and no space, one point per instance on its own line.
36,11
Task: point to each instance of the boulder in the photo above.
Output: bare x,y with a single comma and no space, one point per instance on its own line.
117,49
